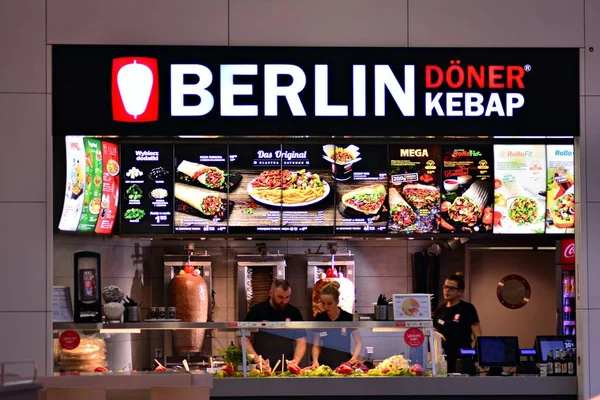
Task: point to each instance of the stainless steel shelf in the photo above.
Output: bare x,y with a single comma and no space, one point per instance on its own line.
235,326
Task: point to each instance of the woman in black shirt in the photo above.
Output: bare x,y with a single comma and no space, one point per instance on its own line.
332,347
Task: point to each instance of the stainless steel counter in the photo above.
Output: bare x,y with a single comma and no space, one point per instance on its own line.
472,387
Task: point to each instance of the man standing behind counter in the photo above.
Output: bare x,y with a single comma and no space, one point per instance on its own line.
271,344
456,320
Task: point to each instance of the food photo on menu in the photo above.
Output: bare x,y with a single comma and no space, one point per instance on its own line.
258,198
361,200
560,189
467,190
202,184
109,203
92,193
307,197
147,188
519,189
75,183
414,189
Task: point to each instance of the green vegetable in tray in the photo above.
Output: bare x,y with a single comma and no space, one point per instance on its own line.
233,355
134,214
134,192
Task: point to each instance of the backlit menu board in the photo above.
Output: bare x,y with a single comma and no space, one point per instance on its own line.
467,189
414,190
560,189
307,197
92,186
75,184
258,197
147,190
201,188
519,188
361,185
109,204
92,193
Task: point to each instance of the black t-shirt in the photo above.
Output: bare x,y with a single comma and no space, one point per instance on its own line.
272,343
335,343
455,324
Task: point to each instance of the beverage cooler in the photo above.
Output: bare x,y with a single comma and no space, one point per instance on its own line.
255,274
325,268
189,297
566,282
567,299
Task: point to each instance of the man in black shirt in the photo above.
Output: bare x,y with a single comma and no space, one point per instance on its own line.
271,344
456,320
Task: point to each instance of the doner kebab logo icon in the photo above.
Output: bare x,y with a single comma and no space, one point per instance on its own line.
135,89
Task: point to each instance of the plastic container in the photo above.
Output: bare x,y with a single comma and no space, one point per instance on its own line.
442,367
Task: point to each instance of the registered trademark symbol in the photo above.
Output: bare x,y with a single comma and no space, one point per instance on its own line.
527,67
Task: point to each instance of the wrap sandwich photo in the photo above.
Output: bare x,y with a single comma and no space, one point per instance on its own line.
401,212
198,202
366,200
202,175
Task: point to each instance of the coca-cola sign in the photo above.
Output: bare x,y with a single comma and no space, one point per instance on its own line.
567,251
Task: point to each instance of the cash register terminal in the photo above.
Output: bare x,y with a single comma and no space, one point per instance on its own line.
497,352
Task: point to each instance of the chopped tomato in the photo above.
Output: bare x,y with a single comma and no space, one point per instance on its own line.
488,218
497,218
445,206
497,183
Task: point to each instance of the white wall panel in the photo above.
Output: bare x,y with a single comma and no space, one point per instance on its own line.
186,22
318,23
592,147
592,232
493,23
580,154
23,250
583,351
592,39
593,351
23,155
22,45
25,339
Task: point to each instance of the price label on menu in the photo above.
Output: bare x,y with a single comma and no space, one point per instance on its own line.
147,189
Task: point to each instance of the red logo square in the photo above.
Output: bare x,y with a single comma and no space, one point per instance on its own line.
135,89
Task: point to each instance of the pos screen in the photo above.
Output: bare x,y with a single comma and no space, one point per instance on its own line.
498,351
546,343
